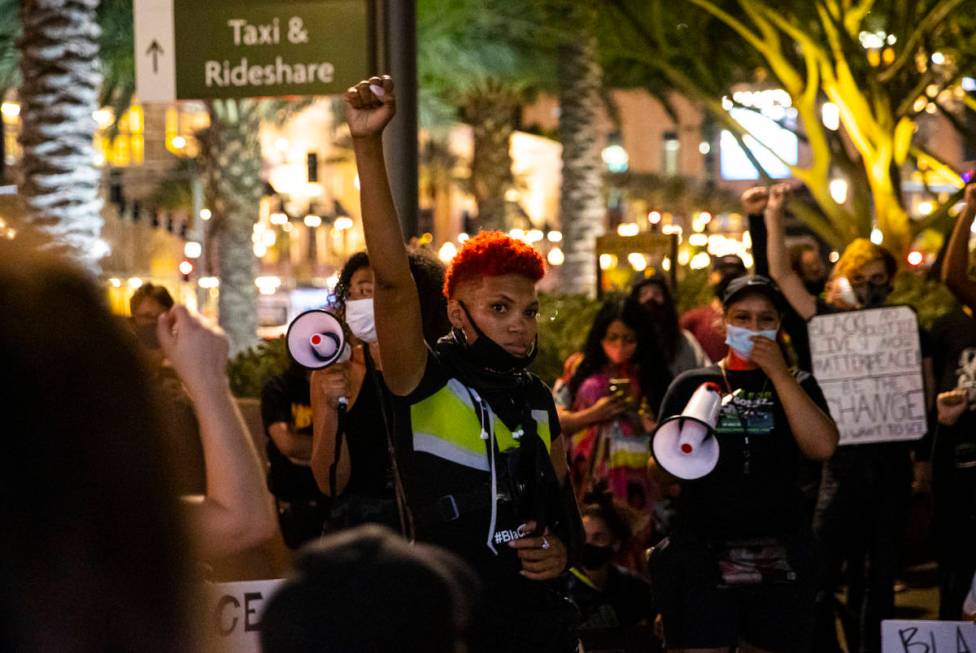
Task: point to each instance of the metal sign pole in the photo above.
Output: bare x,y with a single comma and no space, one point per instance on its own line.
397,21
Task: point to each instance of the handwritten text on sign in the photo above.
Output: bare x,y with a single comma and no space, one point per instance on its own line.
869,365
928,637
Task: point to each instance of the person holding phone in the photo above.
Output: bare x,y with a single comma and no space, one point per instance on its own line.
607,407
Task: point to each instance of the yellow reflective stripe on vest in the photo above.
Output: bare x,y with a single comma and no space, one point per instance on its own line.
446,425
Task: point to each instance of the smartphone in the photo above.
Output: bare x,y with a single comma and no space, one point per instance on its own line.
619,387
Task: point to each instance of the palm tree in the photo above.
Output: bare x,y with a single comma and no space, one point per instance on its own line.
582,210
484,60
231,164
60,73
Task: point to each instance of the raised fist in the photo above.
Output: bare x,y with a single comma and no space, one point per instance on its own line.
754,200
370,106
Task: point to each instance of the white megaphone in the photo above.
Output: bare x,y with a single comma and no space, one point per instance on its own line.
317,339
684,445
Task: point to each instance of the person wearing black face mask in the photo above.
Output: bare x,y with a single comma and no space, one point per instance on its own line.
477,437
615,603
865,489
680,349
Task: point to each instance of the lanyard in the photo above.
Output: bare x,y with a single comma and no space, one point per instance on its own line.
746,454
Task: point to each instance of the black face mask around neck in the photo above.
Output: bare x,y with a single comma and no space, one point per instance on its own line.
488,354
595,557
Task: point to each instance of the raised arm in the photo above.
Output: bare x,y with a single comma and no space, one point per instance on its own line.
955,268
754,205
399,328
235,514
789,281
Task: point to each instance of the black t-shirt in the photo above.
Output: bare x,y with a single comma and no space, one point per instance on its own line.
625,602
754,489
285,398
954,363
370,474
428,479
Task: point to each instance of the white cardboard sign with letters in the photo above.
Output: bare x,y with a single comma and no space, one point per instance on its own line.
869,365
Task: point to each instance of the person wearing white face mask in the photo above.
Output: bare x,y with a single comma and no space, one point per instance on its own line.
738,566
364,479
865,491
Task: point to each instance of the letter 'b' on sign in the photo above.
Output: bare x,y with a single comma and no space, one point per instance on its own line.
188,49
928,636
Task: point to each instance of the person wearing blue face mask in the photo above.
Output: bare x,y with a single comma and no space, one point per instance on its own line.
738,567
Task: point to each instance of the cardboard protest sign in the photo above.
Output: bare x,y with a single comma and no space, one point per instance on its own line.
928,637
235,614
869,365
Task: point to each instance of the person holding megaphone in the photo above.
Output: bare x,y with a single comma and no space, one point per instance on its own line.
737,569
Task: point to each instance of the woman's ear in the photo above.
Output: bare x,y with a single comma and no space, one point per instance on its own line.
455,313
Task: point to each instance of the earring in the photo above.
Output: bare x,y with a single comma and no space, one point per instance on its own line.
459,335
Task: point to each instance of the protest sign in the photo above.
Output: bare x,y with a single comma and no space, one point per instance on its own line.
869,365
235,614
928,637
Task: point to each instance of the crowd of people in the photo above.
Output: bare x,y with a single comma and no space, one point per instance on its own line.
444,498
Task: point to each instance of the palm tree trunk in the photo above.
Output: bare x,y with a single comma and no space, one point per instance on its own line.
231,159
489,111
57,175
581,205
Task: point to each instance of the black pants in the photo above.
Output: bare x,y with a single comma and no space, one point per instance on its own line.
524,616
700,611
860,518
301,521
955,529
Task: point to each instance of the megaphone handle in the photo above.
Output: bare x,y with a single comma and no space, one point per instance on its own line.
342,406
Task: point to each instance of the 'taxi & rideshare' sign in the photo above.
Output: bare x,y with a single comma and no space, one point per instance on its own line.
199,49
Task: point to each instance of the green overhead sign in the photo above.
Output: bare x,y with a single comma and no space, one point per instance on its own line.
199,49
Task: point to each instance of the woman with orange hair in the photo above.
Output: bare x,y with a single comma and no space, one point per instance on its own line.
477,438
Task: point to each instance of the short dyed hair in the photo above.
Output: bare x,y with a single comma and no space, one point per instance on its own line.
492,254
859,253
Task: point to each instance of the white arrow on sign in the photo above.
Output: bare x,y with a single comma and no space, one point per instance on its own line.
155,50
